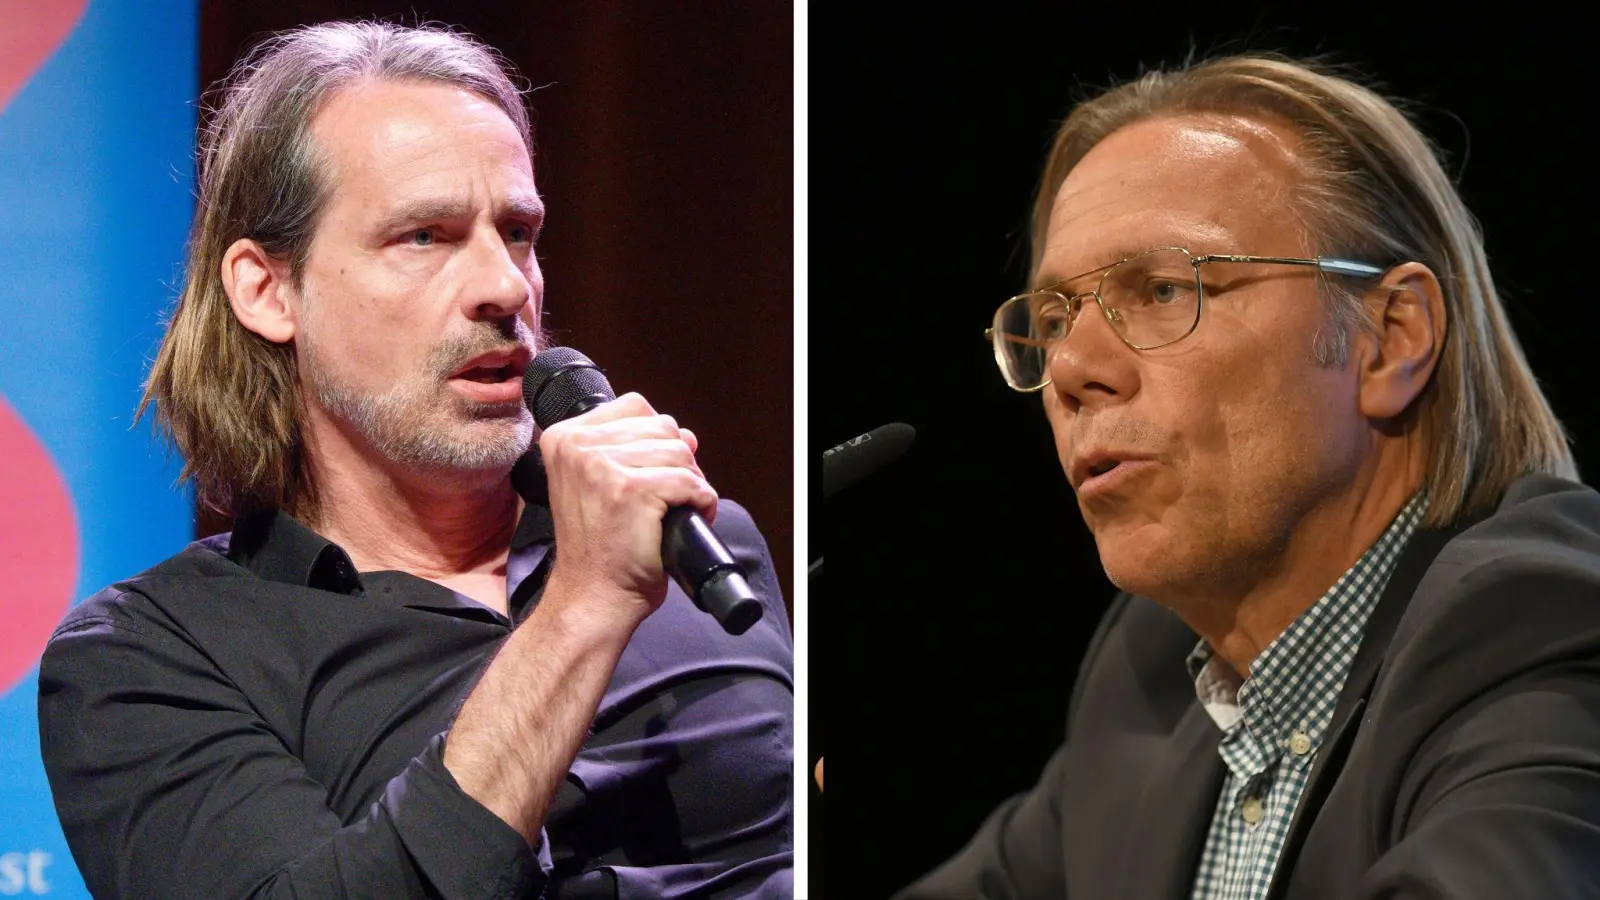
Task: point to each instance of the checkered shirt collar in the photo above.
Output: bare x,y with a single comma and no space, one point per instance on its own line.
1294,683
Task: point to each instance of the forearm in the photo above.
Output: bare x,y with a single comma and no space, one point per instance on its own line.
519,729
197,797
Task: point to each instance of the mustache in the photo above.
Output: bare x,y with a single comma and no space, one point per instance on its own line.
1124,434
456,350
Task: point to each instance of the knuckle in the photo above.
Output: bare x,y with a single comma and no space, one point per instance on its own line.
594,466
619,490
552,444
636,401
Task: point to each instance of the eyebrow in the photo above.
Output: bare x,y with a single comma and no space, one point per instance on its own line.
1049,280
520,206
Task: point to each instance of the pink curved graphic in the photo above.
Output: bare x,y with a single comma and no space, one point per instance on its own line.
31,30
38,547
38,531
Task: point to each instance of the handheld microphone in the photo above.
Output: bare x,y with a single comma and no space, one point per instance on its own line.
855,459
561,383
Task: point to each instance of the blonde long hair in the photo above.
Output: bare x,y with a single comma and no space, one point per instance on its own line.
1373,189
227,399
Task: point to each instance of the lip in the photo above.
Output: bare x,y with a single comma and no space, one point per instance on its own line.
1113,480
1082,466
499,392
517,357
508,391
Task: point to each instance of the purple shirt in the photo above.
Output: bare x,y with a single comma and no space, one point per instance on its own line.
255,718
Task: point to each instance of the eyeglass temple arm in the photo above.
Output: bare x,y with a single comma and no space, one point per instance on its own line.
1330,264
988,335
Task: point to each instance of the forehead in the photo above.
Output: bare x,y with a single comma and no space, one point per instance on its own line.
1209,183
386,137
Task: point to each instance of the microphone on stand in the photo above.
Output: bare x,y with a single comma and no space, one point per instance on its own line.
855,459
561,383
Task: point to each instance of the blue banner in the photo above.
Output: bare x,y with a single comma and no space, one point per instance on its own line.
97,115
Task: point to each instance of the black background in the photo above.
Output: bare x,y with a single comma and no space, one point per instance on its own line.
960,585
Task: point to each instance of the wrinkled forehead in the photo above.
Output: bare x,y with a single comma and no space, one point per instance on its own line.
1209,183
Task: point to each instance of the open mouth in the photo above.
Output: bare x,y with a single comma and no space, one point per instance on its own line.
490,374
1100,468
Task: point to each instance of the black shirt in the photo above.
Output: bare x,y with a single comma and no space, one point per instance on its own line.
254,718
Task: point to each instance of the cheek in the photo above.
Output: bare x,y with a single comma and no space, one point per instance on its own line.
361,327
1060,422
1289,434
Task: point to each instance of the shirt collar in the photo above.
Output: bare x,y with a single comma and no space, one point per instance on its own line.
275,546
1294,683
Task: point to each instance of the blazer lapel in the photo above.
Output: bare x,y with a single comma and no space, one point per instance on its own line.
1174,811
1414,562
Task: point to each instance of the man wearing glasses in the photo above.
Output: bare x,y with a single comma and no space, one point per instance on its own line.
1357,648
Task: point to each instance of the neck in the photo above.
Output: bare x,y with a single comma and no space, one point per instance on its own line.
1325,544
433,525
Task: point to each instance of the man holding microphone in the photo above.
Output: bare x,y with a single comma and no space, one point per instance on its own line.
388,681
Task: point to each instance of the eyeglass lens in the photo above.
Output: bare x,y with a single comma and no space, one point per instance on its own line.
1150,300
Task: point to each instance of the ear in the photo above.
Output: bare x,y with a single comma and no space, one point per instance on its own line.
1408,315
258,289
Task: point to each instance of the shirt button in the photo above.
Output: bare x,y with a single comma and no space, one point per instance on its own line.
1251,811
1300,743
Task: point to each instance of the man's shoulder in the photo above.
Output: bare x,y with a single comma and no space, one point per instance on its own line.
1541,541
140,598
733,520
1542,523
1515,592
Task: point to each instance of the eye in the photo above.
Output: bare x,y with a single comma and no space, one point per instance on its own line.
1166,293
1051,319
422,237
1053,323
520,232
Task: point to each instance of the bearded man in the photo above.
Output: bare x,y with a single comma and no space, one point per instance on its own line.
1357,648
386,681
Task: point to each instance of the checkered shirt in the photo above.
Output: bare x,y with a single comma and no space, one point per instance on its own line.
1273,722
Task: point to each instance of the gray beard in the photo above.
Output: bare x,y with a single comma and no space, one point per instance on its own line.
420,423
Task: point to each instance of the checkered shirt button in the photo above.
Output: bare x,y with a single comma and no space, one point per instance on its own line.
1251,811
1300,743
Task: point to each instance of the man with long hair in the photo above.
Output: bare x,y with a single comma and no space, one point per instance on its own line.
386,680
1357,647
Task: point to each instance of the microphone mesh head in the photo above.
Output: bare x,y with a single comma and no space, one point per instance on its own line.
556,380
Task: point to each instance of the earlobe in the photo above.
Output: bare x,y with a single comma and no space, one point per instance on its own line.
258,291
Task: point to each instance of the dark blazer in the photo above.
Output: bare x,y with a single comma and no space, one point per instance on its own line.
1463,760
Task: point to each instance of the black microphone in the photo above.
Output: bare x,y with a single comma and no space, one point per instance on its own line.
855,459
561,383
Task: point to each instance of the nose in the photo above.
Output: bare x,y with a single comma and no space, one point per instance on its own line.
499,283
1091,366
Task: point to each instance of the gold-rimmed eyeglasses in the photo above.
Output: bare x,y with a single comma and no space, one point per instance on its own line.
1150,299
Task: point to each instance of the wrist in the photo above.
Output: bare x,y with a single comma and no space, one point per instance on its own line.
590,611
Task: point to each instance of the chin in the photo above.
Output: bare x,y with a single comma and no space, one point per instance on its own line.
500,449
1140,558
476,445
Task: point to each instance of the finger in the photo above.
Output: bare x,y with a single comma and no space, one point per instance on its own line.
677,487
690,438
819,774
653,452
628,405
616,431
